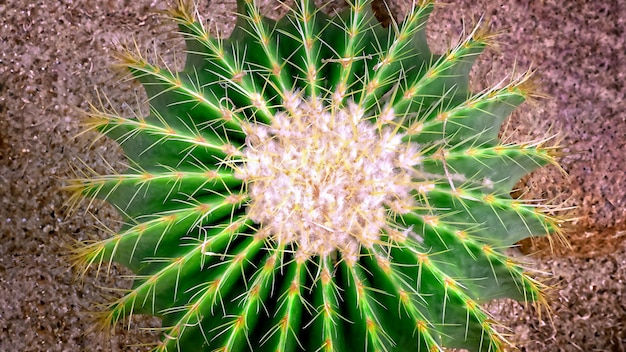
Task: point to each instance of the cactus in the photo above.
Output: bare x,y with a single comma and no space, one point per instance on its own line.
318,183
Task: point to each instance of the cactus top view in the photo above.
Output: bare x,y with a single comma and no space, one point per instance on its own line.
318,183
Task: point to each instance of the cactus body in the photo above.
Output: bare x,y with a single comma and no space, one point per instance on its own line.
318,183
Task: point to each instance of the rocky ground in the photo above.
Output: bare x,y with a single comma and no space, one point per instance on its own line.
54,54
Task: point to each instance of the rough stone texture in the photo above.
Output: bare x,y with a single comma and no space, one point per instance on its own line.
54,54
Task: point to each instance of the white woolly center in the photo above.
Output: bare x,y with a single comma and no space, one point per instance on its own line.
325,179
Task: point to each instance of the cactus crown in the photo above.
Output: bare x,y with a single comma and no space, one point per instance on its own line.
318,183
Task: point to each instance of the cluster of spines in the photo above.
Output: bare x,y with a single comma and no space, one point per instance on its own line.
443,111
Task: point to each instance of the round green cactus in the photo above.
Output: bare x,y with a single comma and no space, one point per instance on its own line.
318,183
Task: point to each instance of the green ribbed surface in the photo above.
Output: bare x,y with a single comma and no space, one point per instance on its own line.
220,286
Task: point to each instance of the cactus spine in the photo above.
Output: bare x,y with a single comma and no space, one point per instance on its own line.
318,183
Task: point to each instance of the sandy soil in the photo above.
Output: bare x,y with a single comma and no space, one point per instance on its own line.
53,55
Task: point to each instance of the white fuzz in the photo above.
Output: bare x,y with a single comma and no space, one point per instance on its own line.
324,178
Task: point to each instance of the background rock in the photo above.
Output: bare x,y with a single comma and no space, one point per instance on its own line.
53,55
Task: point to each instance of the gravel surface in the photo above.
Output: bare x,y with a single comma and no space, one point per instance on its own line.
53,55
